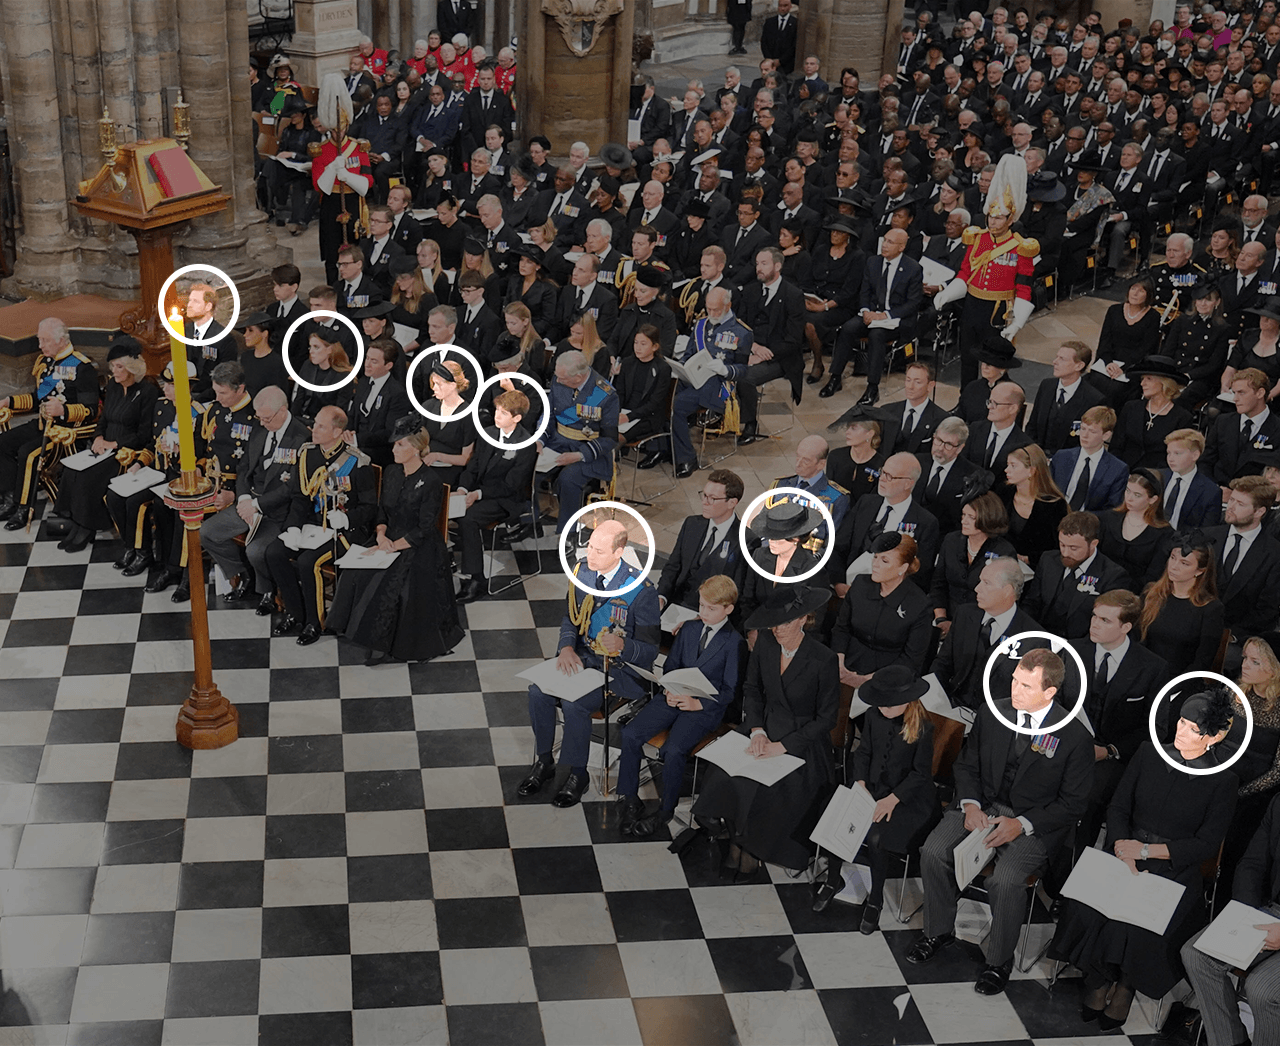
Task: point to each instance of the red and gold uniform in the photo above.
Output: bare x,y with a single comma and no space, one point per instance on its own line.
995,274
506,78
342,206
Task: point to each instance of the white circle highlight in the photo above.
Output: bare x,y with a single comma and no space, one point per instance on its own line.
356,367
421,355
546,411
1031,731
235,300
598,592
807,496
1204,771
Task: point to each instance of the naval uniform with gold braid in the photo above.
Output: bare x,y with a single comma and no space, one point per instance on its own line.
585,421
996,273
634,616
831,494
69,378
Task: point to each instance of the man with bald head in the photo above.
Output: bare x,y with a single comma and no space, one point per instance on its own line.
648,209
811,476
621,624
264,491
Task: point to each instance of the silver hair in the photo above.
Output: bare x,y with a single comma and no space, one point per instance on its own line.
1011,573
599,225
572,363
953,427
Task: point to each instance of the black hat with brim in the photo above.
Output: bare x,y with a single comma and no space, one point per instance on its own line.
122,346
698,208
788,603
614,155
263,320
1045,187
651,276
839,225
472,246
785,519
528,250
402,264
1269,311
997,351
378,308
859,412
1160,367
893,685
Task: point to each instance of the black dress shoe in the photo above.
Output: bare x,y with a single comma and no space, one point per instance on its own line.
632,811
827,891
831,388
651,460
78,540
927,947
992,979
750,434
539,774
124,559
164,579
870,397
17,519
182,594
7,505
646,826
266,606
870,919
814,376
287,627
472,589
570,793
684,470
520,533
140,563
309,635
242,591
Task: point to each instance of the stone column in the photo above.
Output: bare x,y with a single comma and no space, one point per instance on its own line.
851,33
380,30
326,35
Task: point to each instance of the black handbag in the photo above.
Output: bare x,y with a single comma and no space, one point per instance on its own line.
1183,1025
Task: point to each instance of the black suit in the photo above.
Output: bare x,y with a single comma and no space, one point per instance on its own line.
1119,708
282,319
366,292
406,232
779,326
1054,428
1235,299
1251,593
372,422
218,348
476,116
683,573
949,499
963,655
480,335
741,247
779,41
860,528
1059,604
601,301
504,479
1228,456
975,448
904,301
894,439
454,17
380,271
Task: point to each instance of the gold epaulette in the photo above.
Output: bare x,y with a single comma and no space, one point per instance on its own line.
836,486
81,356
1028,247
970,236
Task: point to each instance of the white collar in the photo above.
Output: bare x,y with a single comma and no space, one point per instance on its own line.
1037,718
1258,420
1083,568
1000,622
203,325
1116,655
606,579
714,629
1093,458
1246,537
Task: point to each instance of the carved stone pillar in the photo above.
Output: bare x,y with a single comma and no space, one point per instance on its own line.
327,34
851,33
575,71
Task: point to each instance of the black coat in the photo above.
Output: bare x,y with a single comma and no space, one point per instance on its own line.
1257,878
481,334
1037,534
1251,597
920,441
372,423
949,500
1059,604
975,448
267,481
963,655
780,42
1050,791
779,327
886,763
1052,428
504,476
682,574
874,631
601,302
1125,700
1227,457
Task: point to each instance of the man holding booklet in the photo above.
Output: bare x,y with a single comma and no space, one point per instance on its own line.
711,650
1021,792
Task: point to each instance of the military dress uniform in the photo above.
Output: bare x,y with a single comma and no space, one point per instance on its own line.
343,480
831,494
585,422
624,278
634,616
1198,346
342,203
1175,289
996,274
730,342
69,378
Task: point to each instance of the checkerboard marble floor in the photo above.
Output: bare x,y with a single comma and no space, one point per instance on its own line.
356,868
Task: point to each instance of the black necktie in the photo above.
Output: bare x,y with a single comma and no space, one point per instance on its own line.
877,528
1021,742
1175,510
707,546
991,450
935,481
988,624
1082,486
909,424
1229,564
1102,677
1062,399
1246,432
269,448
706,638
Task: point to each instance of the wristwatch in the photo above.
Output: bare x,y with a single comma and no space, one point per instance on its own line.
1144,853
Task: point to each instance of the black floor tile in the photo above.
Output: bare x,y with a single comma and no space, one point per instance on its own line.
686,1020
498,643
48,631
455,748
869,1016
319,929
304,684
375,715
112,1033
396,979
111,601
497,1024
227,797
131,937
557,869
27,695
15,555
1046,1014
547,613
305,1029
153,761
7,602
475,828
961,961
392,877
19,764
480,922
162,628
54,579
240,653
221,884
313,754
159,688
48,891
306,835
654,915
759,964
507,710
95,659
224,988
143,842
71,803
384,790
85,726
444,677
586,971
255,718
797,902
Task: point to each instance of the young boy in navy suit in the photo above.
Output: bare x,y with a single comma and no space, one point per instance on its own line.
711,645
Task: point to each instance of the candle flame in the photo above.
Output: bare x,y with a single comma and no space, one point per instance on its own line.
175,319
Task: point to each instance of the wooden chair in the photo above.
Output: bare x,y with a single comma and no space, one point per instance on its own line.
1221,655
653,763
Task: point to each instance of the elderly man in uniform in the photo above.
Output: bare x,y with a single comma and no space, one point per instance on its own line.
811,475
584,430
621,627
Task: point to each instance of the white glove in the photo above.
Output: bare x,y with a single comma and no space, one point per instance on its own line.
337,519
718,366
953,291
289,539
1022,310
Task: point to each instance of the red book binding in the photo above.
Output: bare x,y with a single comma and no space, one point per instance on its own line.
175,173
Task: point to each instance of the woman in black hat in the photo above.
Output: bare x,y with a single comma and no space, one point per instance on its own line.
791,696
995,360
454,440
1218,258
856,465
1136,534
1257,348
262,362
532,289
375,321
782,528
881,620
1138,439
1085,216
894,762
405,612
831,295
554,265
123,430
1166,822
1130,333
